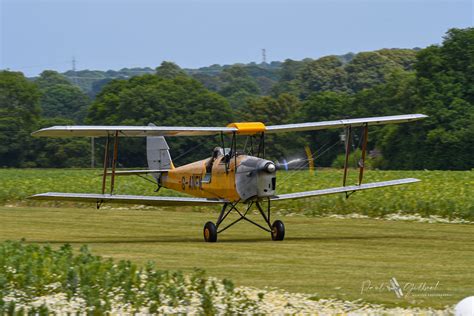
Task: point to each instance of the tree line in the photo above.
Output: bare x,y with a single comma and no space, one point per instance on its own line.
437,81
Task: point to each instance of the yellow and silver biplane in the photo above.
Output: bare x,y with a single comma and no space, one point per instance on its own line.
227,178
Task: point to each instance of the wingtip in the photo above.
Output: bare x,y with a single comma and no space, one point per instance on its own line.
39,132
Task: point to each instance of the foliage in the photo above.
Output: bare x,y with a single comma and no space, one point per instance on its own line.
348,73
324,74
443,90
368,69
19,112
354,158
64,100
325,106
237,86
58,152
274,111
50,78
60,98
20,105
30,272
90,81
181,101
169,70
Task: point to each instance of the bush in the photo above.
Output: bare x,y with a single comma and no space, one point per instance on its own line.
40,280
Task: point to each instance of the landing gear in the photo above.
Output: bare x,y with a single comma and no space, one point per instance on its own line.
210,232
277,230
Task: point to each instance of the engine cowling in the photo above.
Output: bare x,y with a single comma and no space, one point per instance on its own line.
255,178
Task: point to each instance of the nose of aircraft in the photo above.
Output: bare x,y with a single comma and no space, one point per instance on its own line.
256,177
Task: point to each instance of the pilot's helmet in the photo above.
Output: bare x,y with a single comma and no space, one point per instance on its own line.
216,152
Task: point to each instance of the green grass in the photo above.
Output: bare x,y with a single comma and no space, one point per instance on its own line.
323,256
445,193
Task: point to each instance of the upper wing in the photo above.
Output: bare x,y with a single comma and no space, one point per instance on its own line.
127,199
350,188
129,131
239,128
311,126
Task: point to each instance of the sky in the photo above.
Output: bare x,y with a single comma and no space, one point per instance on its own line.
113,34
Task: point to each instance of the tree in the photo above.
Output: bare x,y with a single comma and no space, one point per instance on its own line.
406,58
443,90
19,112
289,75
58,152
237,86
65,101
60,98
181,101
169,70
49,78
368,69
273,111
324,74
325,106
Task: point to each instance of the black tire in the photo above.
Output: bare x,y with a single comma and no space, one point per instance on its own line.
210,232
278,230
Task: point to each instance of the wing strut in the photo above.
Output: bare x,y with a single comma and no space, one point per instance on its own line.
348,149
114,162
106,163
364,149
361,162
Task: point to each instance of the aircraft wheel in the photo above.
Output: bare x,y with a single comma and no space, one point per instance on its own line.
210,232
278,230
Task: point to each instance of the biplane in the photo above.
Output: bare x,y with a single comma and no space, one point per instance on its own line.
230,178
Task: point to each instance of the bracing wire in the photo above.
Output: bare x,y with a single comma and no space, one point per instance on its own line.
289,176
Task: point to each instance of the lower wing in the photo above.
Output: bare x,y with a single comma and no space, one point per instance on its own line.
127,199
350,188
190,201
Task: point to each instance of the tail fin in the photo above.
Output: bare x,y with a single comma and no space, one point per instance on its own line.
158,154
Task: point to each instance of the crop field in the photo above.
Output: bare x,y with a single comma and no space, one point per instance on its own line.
445,193
325,257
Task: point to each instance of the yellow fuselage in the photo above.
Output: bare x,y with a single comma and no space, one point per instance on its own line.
190,179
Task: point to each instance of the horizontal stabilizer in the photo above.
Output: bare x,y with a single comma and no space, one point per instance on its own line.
135,172
126,199
350,188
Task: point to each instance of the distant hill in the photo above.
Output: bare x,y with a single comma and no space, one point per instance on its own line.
265,74
92,81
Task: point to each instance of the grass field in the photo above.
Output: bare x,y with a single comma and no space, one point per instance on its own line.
322,256
445,193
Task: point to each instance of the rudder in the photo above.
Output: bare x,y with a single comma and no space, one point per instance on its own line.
158,154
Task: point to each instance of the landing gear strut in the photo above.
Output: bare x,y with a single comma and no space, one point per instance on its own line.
276,230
